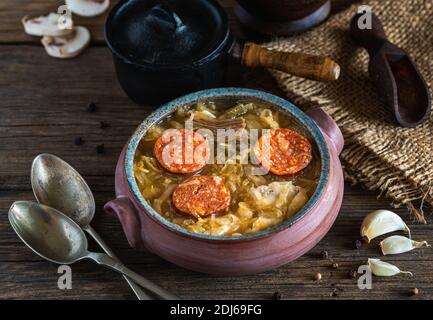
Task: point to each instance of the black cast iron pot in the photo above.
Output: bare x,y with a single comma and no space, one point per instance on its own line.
163,49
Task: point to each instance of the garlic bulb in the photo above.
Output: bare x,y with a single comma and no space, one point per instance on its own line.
384,269
380,222
400,244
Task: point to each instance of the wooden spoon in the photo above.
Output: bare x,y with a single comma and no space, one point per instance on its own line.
395,75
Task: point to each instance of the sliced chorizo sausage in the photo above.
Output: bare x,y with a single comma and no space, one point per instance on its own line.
201,196
283,151
181,151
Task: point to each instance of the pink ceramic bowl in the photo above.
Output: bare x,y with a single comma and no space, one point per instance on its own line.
247,254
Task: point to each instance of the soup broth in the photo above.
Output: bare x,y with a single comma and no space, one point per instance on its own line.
257,202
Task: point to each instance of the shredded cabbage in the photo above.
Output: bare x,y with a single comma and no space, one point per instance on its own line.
257,202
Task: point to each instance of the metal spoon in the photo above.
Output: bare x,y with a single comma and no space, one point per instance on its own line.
57,238
56,184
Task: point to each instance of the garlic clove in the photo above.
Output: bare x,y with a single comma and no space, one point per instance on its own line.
67,46
400,244
384,269
380,222
45,26
88,8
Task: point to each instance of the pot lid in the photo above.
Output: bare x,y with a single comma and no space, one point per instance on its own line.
166,32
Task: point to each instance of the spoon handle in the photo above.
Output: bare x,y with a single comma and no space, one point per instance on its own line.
105,260
141,295
372,38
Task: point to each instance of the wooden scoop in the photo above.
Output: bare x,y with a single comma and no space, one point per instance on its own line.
296,63
395,75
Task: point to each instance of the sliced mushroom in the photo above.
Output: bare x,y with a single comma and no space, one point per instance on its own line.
67,46
45,26
88,8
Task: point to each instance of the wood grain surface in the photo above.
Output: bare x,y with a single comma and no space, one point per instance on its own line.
43,105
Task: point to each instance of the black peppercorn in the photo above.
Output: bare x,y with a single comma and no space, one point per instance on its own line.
78,141
104,125
335,265
276,296
353,274
91,107
336,291
358,244
100,148
324,254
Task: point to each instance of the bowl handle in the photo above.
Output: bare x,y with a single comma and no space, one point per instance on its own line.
127,214
328,127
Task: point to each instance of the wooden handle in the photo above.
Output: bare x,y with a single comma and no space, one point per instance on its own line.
299,64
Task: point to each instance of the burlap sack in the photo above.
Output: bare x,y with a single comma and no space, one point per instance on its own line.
378,153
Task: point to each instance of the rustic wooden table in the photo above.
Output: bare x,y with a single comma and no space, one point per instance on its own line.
43,105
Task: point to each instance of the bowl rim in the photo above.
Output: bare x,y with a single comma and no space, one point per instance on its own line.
225,43
209,94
